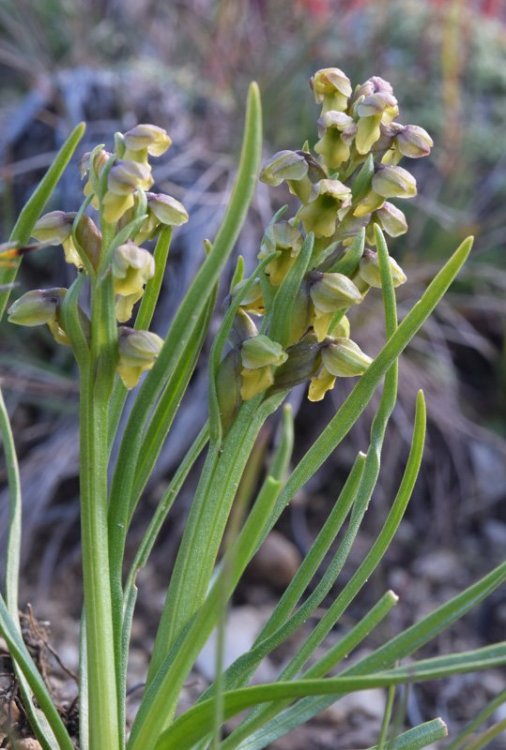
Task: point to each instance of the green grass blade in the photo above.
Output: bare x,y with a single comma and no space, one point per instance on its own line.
399,647
486,737
283,304
194,724
12,565
417,738
149,539
163,691
32,210
206,524
167,408
23,660
217,349
479,719
339,651
352,588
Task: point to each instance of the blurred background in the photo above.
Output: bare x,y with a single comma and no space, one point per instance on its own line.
185,66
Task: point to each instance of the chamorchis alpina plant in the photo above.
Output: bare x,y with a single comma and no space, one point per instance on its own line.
286,324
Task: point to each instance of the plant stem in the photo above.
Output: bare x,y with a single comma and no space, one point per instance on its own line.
103,715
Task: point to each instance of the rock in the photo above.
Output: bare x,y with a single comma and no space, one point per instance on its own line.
370,703
276,562
28,744
243,626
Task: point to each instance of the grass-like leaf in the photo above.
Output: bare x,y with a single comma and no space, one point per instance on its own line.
191,726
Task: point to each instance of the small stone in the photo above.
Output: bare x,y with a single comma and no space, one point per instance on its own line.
28,744
276,561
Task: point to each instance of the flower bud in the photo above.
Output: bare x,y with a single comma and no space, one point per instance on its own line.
100,159
332,88
131,268
259,356
126,176
54,227
391,219
373,85
414,141
331,200
150,138
37,307
369,270
137,352
260,351
167,210
123,180
393,182
344,359
285,165
333,291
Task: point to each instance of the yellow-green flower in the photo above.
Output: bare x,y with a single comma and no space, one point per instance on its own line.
259,356
379,107
337,131
123,180
330,201
56,228
131,268
331,88
329,293
369,270
40,307
137,353
341,358
145,139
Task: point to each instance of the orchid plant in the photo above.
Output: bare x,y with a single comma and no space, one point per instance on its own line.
288,323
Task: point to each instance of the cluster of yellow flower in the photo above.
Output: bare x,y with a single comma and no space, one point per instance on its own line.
117,186
342,190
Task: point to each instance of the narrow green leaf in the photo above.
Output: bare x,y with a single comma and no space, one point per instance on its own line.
399,647
349,262
218,345
32,210
352,588
478,720
194,724
163,691
283,304
417,738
